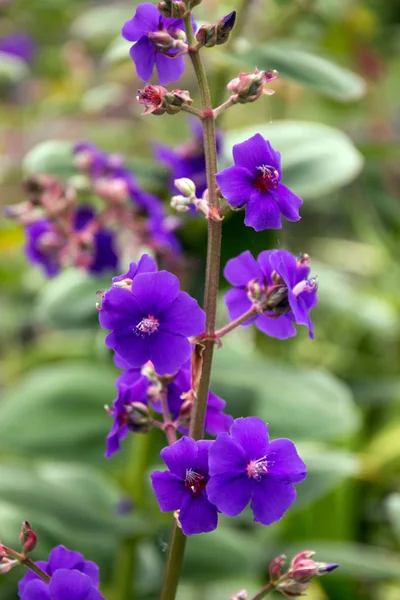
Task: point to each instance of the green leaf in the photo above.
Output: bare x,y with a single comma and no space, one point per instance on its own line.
308,69
57,411
102,97
393,509
12,69
53,157
100,24
117,51
303,404
69,300
316,159
356,560
326,470
384,451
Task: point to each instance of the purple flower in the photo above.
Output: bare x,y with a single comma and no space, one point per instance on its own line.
245,466
103,254
72,578
183,487
152,321
19,45
188,159
40,241
277,281
157,43
146,264
255,182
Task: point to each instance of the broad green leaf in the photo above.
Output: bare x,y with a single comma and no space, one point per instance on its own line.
12,69
383,452
393,509
100,24
53,157
356,560
57,411
303,404
326,470
316,159
69,300
308,69
117,51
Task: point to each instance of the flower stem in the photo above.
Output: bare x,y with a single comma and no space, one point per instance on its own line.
192,110
177,544
168,426
264,592
233,324
126,559
222,107
28,562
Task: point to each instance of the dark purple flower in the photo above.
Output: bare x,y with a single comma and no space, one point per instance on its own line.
183,487
152,322
72,578
255,182
103,253
245,466
157,42
19,45
279,282
41,240
188,159
146,264
127,412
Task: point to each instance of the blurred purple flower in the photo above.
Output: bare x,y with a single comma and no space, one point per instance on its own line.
183,487
278,280
72,577
246,467
255,182
20,45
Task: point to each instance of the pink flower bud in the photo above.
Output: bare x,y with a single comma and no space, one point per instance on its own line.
6,564
185,186
242,595
291,588
152,97
275,567
27,537
248,87
162,40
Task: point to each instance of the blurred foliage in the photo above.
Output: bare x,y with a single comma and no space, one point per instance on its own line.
335,119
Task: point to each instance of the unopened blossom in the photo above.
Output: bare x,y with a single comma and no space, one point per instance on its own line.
72,577
159,41
248,87
153,321
245,467
279,284
255,183
183,487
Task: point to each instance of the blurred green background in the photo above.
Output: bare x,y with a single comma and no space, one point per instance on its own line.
336,119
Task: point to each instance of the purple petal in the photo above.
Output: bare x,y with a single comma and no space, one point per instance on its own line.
288,202
67,585
169,489
169,69
184,317
299,310
280,327
197,515
31,576
254,153
119,310
252,435
62,558
146,264
36,589
288,466
131,347
285,264
94,595
241,269
180,456
203,450
237,303
217,422
230,493
168,352
262,212
130,377
271,499
155,292
264,262
114,438
226,456
146,19
236,185
142,54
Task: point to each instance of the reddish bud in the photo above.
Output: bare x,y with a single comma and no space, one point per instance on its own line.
275,567
242,595
162,40
6,564
27,538
248,87
172,8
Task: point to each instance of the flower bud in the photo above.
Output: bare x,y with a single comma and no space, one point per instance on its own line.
181,203
291,588
172,8
275,567
215,35
242,595
278,301
6,564
248,87
185,186
174,100
302,260
254,290
162,40
27,538
139,419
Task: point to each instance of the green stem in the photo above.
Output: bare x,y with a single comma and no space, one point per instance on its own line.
27,562
264,592
177,544
126,560
233,324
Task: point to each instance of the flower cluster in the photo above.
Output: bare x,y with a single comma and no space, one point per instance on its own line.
227,474
70,576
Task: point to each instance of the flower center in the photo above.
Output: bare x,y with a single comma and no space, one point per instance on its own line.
307,285
255,290
268,178
148,325
194,481
259,468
